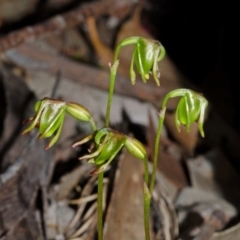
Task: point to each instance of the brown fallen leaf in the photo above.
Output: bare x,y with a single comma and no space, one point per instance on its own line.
104,53
126,205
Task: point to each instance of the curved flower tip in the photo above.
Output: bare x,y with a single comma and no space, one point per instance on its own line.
106,145
49,118
191,108
147,53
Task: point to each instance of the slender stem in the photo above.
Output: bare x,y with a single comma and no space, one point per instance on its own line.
156,149
93,125
148,192
125,42
99,208
146,171
100,195
116,53
147,199
113,71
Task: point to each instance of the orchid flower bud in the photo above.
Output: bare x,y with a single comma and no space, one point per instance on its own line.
147,53
107,144
191,108
49,118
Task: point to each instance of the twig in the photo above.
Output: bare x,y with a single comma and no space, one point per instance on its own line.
61,22
83,199
83,228
86,191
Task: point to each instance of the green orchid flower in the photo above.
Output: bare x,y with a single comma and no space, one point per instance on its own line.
49,118
191,108
107,144
147,53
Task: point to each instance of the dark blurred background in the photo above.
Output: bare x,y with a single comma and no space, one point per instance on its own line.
202,39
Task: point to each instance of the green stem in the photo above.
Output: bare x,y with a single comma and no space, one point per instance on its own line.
113,71
100,195
99,208
148,192
147,199
156,148
146,171
93,125
116,53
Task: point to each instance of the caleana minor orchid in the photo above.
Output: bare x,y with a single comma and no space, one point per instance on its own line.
49,118
191,108
106,142
146,55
